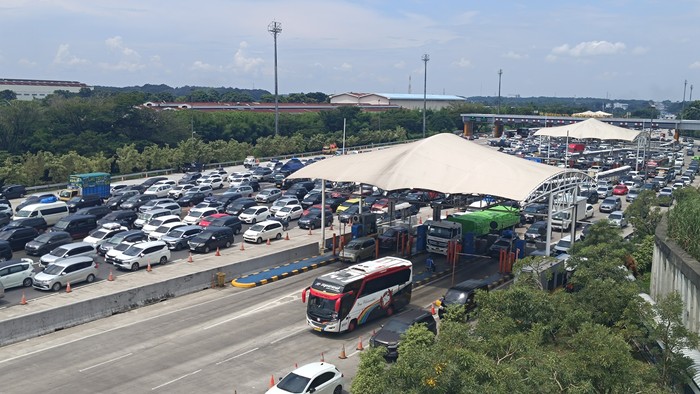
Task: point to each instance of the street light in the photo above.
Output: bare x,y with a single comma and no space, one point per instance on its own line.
425,59
275,28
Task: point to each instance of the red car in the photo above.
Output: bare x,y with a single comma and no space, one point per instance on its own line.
207,220
620,190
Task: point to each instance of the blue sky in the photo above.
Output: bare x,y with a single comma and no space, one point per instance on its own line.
622,49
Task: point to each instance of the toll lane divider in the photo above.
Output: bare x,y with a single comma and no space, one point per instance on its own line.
283,271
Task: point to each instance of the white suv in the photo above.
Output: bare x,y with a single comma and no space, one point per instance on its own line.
269,229
254,214
142,254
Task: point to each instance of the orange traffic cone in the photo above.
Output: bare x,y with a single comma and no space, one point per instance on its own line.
342,353
272,381
68,290
111,276
23,301
242,247
432,309
189,259
148,267
218,253
268,241
286,237
359,345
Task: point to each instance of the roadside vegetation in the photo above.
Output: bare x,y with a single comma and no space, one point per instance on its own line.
598,337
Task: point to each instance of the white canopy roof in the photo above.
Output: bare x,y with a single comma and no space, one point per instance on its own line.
444,162
590,128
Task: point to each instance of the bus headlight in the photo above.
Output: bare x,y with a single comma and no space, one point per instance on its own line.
334,315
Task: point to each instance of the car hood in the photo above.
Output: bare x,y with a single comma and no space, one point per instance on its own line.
40,276
386,337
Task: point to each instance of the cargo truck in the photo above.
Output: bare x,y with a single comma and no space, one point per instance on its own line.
85,184
478,223
562,219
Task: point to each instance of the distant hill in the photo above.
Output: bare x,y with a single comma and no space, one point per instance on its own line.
255,94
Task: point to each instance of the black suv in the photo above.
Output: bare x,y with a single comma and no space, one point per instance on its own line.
240,205
463,294
13,191
18,236
47,242
151,181
189,179
125,217
389,335
88,200
37,223
99,211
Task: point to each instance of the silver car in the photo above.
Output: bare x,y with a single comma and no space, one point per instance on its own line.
68,250
71,270
358,249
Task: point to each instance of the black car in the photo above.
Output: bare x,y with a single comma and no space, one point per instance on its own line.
312,220
284,221
346,215
195,167
13,191
88,200
252,183
191,199
591,196
37,223
99,211
189,179
312,199
334,202
228,221
391,237
240,205
125,217
78,226
211,238
18,236
46,242
5,250
226,199
537,231
129,236
151,181
116,200
5,219
463,294
135,202
534,212
296,191
389,335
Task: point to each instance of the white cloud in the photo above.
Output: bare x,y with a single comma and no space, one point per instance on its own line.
463,63
695,64
590,48
244,63
123,65
64,57
400,65
344,67
513,55
202,66
26,63
116,43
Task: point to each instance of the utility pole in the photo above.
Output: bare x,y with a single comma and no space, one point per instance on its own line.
275,28
500,72
691,94
425,59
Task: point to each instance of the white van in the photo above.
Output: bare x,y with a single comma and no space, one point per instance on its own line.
52,212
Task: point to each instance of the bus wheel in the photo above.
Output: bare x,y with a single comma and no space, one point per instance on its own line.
352,325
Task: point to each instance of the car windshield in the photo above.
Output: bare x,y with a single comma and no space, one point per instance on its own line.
454,296
531,209
133,251
256,227
44,237
122,247
22,213
609,201
286,209
74,199
250,211
396,325
99,234
53,269
201,237
58,252
195,214
162,229
615,216
156,222
353,245
293,383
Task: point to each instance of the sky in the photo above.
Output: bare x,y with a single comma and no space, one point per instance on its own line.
616,49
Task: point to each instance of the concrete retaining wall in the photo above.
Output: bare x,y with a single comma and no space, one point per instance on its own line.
43,322
675,270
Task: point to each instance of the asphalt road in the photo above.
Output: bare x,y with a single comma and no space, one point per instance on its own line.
219,340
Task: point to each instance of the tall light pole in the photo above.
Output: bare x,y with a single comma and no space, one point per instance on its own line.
500,72
275,28
425,59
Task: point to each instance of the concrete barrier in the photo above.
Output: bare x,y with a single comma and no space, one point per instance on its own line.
45,320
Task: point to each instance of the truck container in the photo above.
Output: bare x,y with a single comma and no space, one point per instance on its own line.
92,183
562,219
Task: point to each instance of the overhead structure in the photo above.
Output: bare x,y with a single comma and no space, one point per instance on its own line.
449,164
590,128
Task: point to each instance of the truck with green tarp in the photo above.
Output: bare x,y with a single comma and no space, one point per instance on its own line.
477,223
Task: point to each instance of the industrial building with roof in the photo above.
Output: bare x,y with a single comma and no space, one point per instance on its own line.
403,100
30,89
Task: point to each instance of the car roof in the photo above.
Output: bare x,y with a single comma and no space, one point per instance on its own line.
8,263
411,315
312,369
71,260
266,222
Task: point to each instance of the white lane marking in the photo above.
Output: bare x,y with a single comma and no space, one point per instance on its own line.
353,353
175,380
105,362
238,355
289,335
272,304
122,326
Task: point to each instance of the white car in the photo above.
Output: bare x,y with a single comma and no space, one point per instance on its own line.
164,229
159,190
317,378
108,230
283,202
215,182
142,254
263,231
166,182
245,190
590,211
254,214
268,195
290,212
196,214
678,185
206,189
179,190
154,223
238,179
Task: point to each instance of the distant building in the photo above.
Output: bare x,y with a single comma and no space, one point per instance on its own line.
616,105
30,89
403,100
257,107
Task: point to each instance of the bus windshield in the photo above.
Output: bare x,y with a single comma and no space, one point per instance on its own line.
321,307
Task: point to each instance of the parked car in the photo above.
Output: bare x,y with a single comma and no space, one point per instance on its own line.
240,205
534,212
263,231
153,224
88,200
618,219
358,249
215,182
135,202
206,189
179,190
317,377
225,199
164,229
116,200
13,191
211,238
103,233
18,237
42,198
189,179
5,250
191,199
16,273
36,223
128,237
290,212
145,217
196,214
47,242
142,254
99,211
244,190
283,202
390,237
69,270
389,335
255,214
262,174
125,217
178,237
78,226
268,195
160,190
68,250
611,204
537,231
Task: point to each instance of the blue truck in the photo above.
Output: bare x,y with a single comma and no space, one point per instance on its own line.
92,183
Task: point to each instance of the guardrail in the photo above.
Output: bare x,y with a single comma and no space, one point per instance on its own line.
167,171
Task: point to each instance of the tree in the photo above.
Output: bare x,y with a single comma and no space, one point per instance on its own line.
644,213
8,95
372,372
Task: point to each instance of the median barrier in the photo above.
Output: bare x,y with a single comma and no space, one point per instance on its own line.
101,299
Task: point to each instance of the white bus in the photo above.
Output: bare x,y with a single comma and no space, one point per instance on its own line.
613,176
342,300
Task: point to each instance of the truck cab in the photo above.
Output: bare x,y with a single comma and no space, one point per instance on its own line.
440,233
67,194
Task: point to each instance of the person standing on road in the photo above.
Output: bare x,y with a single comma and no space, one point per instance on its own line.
429,264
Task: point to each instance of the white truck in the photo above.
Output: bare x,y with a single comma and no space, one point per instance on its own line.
562,220
440,233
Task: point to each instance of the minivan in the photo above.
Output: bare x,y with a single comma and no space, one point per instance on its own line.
125,217
36,223
263,231
51,212
78,226
211,238
88,200
18,237
13,191
68,250
71,270
143,254
47,242
130,236
358,249
15,273
177,238
145,217
390,334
